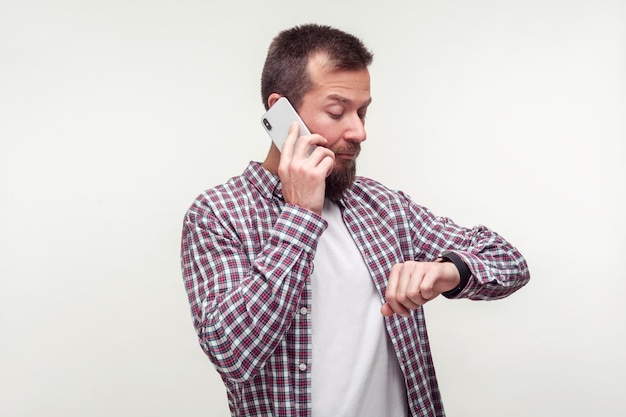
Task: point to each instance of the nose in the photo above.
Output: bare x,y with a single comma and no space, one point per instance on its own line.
355,131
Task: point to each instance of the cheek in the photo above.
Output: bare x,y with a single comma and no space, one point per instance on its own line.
332,141
326,130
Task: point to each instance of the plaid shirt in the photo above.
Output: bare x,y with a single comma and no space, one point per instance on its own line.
247,257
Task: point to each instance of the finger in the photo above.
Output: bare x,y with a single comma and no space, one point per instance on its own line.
409,295
440,277
386,310
292,135
321,162
427,286
307,145
392,293
419,288
327,163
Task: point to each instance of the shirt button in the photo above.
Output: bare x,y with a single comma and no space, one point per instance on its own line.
303,310
302,367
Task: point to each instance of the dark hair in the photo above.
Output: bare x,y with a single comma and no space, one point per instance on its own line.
285,69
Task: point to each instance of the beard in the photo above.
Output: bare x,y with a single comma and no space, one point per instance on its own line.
342,176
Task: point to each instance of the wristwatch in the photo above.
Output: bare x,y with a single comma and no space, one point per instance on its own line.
464,272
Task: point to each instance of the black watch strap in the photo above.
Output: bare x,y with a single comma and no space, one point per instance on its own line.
464,272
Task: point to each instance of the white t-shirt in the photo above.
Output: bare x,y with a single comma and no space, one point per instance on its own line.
355,372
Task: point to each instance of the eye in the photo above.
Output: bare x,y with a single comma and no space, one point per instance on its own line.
335,116
362,112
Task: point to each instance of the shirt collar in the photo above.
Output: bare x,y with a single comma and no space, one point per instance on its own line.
264,181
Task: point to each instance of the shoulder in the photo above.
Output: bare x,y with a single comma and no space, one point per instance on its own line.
226,207
222,195
251,188
373,192
387,202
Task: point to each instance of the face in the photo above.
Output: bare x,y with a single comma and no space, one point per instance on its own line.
335,108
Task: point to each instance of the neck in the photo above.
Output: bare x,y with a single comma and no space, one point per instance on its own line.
272,159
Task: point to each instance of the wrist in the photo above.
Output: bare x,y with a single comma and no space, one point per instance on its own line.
464,272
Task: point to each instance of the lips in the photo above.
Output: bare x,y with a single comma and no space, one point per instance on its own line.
348,152
348,156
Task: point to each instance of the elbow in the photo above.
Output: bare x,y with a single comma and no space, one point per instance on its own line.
232,363
515,279
523,272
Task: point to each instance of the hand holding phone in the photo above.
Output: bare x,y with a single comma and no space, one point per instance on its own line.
304,186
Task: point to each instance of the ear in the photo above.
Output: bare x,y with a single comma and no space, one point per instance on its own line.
273,98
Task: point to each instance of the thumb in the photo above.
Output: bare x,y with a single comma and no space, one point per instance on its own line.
386,310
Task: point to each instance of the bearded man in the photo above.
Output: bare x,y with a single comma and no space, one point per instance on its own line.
306,281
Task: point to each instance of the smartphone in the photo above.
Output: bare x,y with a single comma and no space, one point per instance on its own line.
277,121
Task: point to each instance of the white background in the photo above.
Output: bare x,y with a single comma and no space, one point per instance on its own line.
114,115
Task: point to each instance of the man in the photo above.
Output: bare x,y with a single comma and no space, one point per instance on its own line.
306,282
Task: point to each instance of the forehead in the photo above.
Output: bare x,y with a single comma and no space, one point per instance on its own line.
352,85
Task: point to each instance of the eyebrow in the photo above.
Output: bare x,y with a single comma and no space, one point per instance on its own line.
345,100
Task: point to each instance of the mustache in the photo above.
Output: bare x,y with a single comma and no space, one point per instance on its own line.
354,148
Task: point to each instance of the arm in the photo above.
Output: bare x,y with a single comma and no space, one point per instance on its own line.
494,268
241,307
497,269
243,304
